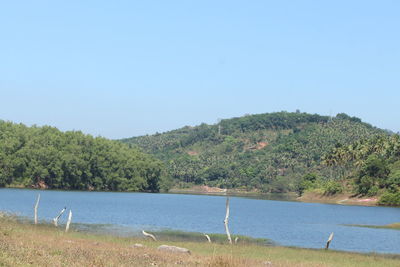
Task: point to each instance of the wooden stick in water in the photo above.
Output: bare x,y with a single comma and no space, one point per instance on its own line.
36,208
329,241
69,221
227,220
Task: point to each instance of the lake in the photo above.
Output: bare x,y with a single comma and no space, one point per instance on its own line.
287,223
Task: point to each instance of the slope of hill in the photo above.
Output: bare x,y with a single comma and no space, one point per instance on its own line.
45,157
373,165
266,152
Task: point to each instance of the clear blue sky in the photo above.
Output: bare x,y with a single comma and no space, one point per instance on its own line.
126,68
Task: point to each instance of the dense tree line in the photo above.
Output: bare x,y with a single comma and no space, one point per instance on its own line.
48,158
267,152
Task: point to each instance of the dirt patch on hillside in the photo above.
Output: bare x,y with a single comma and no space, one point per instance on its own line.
261,145
257,146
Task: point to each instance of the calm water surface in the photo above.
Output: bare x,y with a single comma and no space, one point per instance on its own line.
287,223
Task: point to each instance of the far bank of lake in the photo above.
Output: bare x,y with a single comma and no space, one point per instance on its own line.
310,197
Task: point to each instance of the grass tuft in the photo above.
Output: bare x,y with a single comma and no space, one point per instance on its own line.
174,235
393,226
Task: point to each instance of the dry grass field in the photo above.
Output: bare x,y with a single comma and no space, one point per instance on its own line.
24,244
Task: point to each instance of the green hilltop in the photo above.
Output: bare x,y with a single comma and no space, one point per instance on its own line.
272,152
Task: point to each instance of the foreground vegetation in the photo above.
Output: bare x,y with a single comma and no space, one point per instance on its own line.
22,244
44,157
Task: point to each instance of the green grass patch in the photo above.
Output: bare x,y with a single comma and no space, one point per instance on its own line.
181,236
393,226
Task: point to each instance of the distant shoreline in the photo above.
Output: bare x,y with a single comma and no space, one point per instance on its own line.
206,190
307,197
340,199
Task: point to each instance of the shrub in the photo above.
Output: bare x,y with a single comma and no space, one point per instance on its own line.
332,187
308,181
373,191
390,199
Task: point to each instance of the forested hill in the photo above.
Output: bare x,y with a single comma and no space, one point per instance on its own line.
268,152
44,157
